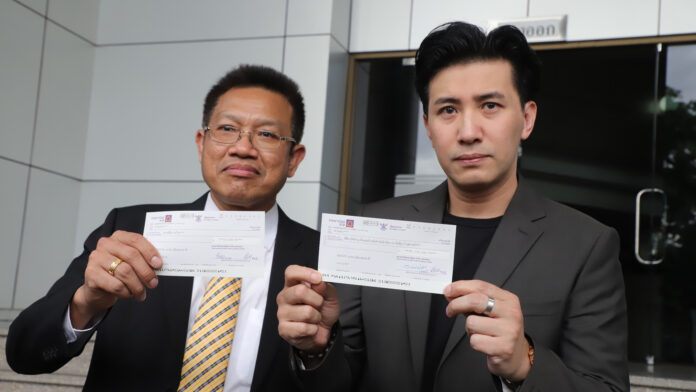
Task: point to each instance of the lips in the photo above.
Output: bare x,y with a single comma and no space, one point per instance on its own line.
471,159
241,170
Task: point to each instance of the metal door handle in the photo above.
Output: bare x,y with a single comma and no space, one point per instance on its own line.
663,222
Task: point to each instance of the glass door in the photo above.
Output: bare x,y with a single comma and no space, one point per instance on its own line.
676,177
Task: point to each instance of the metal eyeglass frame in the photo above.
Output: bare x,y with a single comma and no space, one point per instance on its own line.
252,133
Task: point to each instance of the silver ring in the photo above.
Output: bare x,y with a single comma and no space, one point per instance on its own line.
489,306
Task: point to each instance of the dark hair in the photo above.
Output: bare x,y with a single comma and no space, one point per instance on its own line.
263,77
461,43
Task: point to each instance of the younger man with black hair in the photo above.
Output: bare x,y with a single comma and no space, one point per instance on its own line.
537,299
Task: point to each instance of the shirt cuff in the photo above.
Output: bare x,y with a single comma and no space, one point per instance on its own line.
72,334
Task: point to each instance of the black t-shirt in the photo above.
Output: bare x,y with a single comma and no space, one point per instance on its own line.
472,240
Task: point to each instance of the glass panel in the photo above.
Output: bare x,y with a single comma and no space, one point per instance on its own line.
385,122
676,168
593,149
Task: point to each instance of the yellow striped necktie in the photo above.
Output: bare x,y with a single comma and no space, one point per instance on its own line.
209,342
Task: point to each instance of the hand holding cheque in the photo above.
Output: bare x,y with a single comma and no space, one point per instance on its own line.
121,266
178,243
403,255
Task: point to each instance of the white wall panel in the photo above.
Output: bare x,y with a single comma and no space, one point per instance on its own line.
340,21
49,234
328,203
300,201
37,5
307,62
379,25
127,21
14,186
677,17
429,14
600,19
66,83
334,107
21,33
98,198
147,104
309,17
80,16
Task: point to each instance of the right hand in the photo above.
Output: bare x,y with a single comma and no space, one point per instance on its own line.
307,309
101,290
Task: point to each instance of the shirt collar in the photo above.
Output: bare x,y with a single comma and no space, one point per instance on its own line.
271,221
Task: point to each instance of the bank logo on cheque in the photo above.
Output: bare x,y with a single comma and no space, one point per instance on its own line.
350,223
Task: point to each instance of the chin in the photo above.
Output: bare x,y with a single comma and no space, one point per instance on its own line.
471,183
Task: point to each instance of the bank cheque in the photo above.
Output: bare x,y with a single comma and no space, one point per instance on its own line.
386,253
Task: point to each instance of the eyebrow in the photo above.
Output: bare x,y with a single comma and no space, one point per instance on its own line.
478,98
442,100
257,122
490,95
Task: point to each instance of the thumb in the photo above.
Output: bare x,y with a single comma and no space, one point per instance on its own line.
330,293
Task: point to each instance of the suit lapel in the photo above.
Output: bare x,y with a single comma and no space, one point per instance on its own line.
287,251
429,208
512,240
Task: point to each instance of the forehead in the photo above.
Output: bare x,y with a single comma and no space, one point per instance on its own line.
474,78
253,103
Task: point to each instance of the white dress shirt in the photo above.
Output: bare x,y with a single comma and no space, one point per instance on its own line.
252,306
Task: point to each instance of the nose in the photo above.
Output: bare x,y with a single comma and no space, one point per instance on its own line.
244,146
468,130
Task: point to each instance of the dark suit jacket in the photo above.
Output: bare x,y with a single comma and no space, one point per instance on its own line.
562,265
140,345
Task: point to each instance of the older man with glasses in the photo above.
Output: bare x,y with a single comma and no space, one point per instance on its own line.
150,328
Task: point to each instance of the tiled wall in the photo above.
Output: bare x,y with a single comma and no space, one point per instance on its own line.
100,102
411,20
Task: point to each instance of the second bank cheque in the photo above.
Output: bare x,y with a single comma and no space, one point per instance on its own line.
404,255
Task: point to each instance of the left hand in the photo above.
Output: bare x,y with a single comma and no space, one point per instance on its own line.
500,334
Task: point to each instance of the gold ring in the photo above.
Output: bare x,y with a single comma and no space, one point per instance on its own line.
113,266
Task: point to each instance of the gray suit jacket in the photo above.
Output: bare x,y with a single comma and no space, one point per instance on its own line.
563,266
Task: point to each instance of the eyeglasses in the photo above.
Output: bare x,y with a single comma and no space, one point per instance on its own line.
229,134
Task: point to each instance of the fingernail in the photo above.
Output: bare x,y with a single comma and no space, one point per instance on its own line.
316,278
153,282
156,262
448,289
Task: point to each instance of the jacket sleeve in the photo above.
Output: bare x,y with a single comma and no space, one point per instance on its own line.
592,353
36,341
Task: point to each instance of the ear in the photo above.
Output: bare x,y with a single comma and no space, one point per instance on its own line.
530,112
200,139
296,156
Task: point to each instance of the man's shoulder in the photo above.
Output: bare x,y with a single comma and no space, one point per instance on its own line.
401,204
198,204
562,215
297,227
132,218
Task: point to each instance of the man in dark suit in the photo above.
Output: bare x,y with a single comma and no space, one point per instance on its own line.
537,299
253,120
